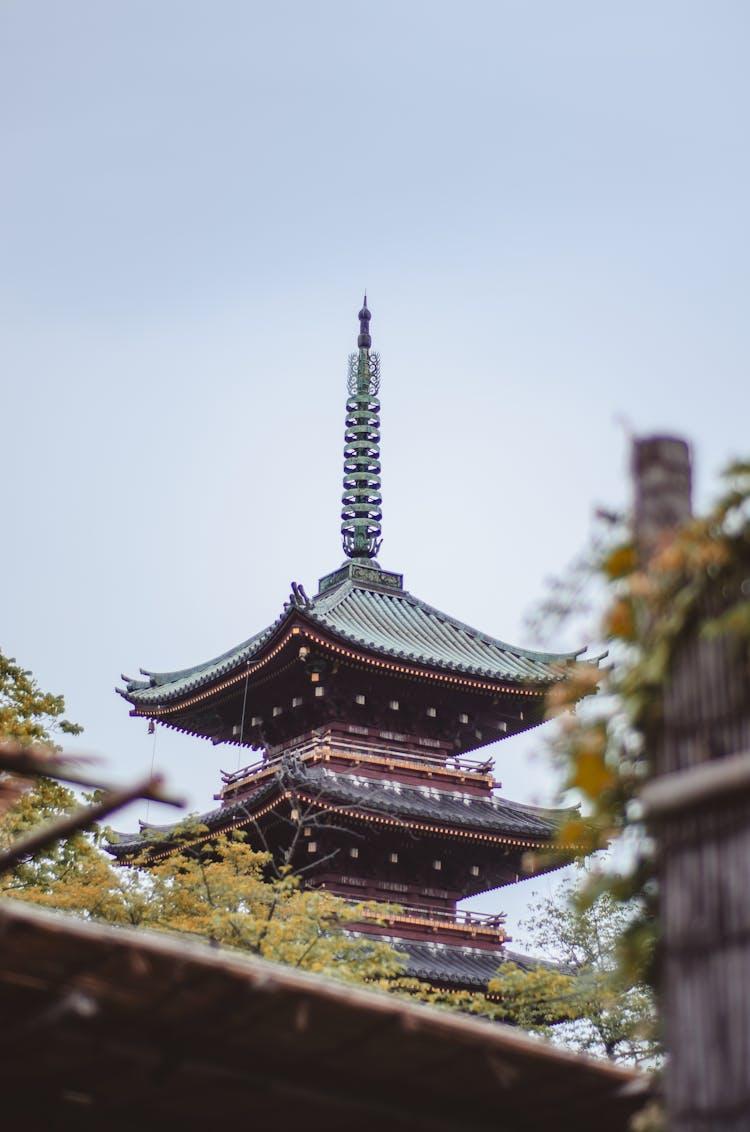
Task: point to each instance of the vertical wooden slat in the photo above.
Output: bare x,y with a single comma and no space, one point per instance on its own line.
703,855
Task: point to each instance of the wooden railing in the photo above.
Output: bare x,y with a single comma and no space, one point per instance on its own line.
459,921
319,749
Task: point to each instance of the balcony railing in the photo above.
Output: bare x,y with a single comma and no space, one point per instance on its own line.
461,922
319,749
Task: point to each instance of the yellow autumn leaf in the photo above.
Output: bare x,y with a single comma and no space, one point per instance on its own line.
582,680
620,561
574,832
641,584
591,774
669,559
619,621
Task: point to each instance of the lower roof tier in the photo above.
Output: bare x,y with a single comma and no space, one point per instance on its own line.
456,968
376,833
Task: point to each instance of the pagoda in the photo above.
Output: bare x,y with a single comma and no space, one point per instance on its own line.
370,710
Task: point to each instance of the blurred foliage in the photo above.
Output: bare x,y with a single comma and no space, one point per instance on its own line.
609,718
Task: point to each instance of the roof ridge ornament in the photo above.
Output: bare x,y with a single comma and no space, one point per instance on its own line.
361,512
299,598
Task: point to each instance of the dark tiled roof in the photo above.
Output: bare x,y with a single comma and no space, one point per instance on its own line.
453,966
123,844
447,965
384,620
491,814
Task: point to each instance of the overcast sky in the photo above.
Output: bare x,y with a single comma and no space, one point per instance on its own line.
548,205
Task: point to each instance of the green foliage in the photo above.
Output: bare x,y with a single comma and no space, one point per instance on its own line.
580,997
601,1008
28,715
604,742
220,891
536,999
72,874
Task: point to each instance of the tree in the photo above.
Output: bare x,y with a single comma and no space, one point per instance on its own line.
532,998
71,874
605,744
220,890
537,998
602,1008
579,995
27,714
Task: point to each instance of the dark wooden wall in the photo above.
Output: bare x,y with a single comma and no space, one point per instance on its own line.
698,803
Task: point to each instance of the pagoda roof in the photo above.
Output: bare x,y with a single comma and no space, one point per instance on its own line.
490,818
367,608
448,965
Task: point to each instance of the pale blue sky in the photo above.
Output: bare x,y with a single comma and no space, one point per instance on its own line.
548,205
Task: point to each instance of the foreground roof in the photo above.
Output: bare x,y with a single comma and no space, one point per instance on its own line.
367,607
135,1029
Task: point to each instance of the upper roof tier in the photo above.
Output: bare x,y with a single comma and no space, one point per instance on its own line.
345,655
368,608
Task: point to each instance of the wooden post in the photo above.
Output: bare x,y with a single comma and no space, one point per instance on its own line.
698,804
662,478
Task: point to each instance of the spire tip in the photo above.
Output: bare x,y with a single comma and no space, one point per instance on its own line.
364,341
361,511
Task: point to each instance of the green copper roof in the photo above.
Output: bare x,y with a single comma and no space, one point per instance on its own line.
360,603
395,623
367,607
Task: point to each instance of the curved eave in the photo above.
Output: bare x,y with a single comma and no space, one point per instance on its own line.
160,700
401,663
376,620
149,852
311,789
147,697
156,851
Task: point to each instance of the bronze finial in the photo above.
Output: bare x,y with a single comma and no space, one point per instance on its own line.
364,341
